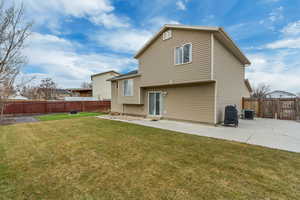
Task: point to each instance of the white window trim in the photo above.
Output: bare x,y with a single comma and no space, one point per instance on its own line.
124,88
191,53
161,104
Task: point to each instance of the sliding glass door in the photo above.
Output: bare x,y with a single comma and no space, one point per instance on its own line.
155,103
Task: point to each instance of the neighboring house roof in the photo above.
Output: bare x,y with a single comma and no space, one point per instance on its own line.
18,97
248,85
126,75
281,92
80,89
220,34
102,73
62,91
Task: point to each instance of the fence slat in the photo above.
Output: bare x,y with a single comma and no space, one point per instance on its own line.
43,107
282,108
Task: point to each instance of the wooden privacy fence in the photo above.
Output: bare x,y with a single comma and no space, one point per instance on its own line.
279,108
43,107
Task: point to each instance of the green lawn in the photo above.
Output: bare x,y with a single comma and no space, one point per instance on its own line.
59,116
90,158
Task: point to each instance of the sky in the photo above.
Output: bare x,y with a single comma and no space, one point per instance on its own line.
72,39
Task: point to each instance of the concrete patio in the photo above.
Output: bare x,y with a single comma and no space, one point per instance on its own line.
278,134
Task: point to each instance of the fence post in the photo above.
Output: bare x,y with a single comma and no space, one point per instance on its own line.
260,107
243,103
23,107
83,106
45,105
278,109
297,107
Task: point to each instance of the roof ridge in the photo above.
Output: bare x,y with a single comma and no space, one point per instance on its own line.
219,30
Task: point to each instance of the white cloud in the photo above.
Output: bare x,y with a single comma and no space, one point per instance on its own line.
180,5
157,22
280,70
48,13
292,29
290,37
79,8
276,14
123,40
270,1
57,57
209,20
289,43
274,17
110,20
130,40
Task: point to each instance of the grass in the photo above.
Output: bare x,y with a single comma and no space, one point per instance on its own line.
90,158
60,116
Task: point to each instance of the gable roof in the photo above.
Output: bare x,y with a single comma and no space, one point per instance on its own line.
102,73
282,92
248,85
80,89
130,74
219,33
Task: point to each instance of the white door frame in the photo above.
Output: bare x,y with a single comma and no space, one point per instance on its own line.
160,102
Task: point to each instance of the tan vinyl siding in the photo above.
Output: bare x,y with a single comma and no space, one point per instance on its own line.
157,66
136,98
102,87
246,92
191,103
138,110
115,106
229,74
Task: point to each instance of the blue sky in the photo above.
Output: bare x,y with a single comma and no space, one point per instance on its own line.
73,39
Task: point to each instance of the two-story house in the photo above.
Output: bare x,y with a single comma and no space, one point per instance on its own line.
101,88
185,73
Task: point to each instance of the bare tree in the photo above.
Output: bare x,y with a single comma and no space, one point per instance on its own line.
47,89
30,92
13,33
23,86
261,91
86,85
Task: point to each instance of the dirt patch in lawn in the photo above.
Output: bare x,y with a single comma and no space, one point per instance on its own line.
16,120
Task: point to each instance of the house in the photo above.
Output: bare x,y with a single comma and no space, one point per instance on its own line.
185,73
102,87
81,92
280,94
17,97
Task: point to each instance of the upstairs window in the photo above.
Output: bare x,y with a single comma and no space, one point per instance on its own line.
183,54
128,87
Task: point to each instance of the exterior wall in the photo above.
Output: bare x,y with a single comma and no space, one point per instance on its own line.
157,64
85,93
191,103
102,87
229,74
115,106
245,91
138,110
136,98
